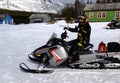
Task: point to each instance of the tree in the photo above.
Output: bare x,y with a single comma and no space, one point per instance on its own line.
108,1
103,1
90,2
98,1
115,1
68,14
77,5
75,10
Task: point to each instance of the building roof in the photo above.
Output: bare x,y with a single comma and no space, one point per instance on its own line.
2,16
95,7
35,16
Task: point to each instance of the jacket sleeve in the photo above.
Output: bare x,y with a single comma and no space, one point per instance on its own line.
73,29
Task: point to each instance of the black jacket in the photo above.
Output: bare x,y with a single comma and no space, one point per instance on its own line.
114,22
83,33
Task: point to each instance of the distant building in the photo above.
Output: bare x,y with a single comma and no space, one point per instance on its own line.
6,19
102,12
39,18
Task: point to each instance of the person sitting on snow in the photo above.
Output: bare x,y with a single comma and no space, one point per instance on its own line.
83,38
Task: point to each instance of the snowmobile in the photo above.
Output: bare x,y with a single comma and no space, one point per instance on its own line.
55,54
110,26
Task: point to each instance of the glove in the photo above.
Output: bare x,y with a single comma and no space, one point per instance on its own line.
66,28
64,35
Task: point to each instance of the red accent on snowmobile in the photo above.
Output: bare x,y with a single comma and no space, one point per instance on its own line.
55,55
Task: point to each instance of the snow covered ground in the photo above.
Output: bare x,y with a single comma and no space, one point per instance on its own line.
17,41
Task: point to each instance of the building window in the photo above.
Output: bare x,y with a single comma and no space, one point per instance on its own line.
91,14
117,14
101,14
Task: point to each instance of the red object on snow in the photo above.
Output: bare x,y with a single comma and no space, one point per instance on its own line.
102,47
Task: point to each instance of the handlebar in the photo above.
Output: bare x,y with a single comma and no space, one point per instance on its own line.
64,35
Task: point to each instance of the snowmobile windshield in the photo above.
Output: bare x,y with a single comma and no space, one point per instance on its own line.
54,35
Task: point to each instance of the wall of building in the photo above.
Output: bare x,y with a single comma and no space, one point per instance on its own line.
109,16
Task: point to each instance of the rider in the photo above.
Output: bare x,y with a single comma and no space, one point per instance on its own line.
83,30
114,23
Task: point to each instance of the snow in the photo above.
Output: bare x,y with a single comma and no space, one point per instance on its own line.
17,41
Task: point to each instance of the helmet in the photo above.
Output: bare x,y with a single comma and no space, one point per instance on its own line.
82,20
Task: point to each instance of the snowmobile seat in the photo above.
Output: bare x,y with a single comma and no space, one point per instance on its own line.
86,50
113,47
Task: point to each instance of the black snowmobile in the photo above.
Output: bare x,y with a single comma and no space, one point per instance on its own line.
114,24
55,54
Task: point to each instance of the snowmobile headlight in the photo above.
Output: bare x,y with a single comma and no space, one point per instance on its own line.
38,55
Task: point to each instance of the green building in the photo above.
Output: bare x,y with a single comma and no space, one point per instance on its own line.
102,12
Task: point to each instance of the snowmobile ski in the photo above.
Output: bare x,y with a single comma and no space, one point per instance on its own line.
25,68
95,65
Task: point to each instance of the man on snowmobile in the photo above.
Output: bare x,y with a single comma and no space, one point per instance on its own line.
83,29
114,23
